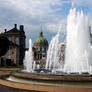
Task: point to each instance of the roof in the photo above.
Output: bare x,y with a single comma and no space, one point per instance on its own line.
16,31
41,40
13,30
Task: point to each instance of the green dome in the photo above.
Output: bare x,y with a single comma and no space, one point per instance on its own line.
41,40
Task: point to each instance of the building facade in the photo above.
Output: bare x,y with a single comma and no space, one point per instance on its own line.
16,48
40,48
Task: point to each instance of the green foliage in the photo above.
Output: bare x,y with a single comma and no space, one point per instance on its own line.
19,66
3,35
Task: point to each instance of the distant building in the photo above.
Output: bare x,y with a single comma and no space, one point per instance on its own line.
40,48
62,54
16,49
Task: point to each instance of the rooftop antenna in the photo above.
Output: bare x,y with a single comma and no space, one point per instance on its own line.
41,27
41,33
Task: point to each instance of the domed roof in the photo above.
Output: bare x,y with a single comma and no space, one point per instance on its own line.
41,40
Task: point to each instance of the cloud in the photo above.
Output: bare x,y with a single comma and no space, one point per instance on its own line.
34,13
32,7
29,10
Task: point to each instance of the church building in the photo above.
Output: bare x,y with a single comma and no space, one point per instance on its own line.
40,48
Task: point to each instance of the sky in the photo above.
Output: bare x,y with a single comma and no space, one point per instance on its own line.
35,15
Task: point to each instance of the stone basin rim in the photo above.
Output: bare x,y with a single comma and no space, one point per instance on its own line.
52,77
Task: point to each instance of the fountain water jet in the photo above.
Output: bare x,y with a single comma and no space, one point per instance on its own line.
29,64
78,51
53,55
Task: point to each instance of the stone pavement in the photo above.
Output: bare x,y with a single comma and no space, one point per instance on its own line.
8,89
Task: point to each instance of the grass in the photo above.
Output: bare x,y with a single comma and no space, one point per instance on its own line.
19,66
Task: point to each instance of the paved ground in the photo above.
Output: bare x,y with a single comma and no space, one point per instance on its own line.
7,89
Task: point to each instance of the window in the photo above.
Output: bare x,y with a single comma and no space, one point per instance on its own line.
9,38
9,56
43,56
9,48
21,43
17,40
43,49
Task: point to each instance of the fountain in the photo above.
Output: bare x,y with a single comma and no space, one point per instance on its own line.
78,47
53,54
29,65
77,67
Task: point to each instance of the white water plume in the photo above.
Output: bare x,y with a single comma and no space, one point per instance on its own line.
78,52
53,54
28,61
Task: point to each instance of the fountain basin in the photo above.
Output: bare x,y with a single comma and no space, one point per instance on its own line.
48,82
52,77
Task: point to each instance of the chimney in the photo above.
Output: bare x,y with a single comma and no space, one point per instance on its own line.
21,28
5,30
15,26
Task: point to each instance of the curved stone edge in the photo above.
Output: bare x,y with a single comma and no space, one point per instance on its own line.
44,88
48,77
33,87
